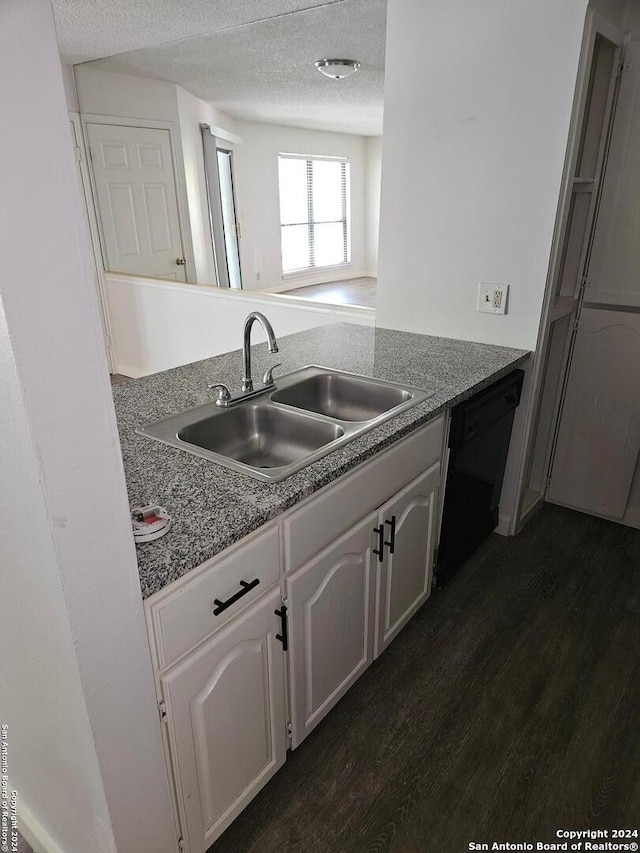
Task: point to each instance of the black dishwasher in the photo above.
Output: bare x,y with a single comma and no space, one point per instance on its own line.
478,446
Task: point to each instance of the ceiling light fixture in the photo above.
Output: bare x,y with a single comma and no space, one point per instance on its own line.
337,68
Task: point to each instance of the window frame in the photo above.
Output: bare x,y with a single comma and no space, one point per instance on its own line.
345,219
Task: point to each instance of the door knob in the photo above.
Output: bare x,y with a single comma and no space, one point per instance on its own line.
180,261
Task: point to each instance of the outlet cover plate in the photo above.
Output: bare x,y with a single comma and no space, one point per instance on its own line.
492,298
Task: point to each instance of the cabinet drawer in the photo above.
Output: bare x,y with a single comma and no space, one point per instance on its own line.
337,507
185,616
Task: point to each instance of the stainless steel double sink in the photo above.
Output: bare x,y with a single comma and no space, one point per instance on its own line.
311,412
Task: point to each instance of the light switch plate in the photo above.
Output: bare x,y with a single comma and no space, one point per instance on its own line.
492,298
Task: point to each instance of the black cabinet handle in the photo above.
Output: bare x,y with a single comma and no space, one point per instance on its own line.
381,543
245,588
284,637
392,540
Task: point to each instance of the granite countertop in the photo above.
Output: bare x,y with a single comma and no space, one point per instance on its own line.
212,507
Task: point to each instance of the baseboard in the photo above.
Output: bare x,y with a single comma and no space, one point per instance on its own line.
34,833
310,280
527,513
504,527
131,372
281,287
631,518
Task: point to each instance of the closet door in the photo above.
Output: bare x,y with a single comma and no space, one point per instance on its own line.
615,256
599,436
570,260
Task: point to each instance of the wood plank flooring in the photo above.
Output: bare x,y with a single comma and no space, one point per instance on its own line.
23,847
507,709
352,291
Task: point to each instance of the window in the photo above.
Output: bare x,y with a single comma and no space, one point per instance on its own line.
314,212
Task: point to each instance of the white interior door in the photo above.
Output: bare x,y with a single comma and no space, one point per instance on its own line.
572,253
615,257
137,200
598,441
599,437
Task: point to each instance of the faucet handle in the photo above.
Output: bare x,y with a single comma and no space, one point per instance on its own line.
268,374
224,395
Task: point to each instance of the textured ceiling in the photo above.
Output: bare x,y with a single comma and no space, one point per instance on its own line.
90,29
264,71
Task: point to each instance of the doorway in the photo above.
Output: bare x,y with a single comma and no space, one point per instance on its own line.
569,420
230,226
596,460
225,230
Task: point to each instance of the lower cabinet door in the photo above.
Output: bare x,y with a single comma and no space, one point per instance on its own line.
331,605
226,721
404,575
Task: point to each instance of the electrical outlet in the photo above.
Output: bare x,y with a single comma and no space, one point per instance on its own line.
492,298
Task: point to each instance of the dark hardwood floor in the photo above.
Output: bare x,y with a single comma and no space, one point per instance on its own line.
507,709
23,847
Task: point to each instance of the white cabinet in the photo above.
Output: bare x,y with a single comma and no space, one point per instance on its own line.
186,613
347,603
225,706
408,523
331,606
321,518
220,665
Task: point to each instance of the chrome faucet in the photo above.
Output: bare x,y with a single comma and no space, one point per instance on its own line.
225,398
247,381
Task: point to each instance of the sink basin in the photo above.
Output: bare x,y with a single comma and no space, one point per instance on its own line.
260,435
344,397
313,411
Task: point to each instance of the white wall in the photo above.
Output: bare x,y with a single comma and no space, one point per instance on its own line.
110,93
52,758
70,92
257,198
478,100
613,10
632,15
159,325
373,170
76,681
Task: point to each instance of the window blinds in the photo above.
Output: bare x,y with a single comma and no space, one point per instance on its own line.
314,212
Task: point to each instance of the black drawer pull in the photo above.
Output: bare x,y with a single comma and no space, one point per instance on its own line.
392,541
222,605
380,549
284,637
